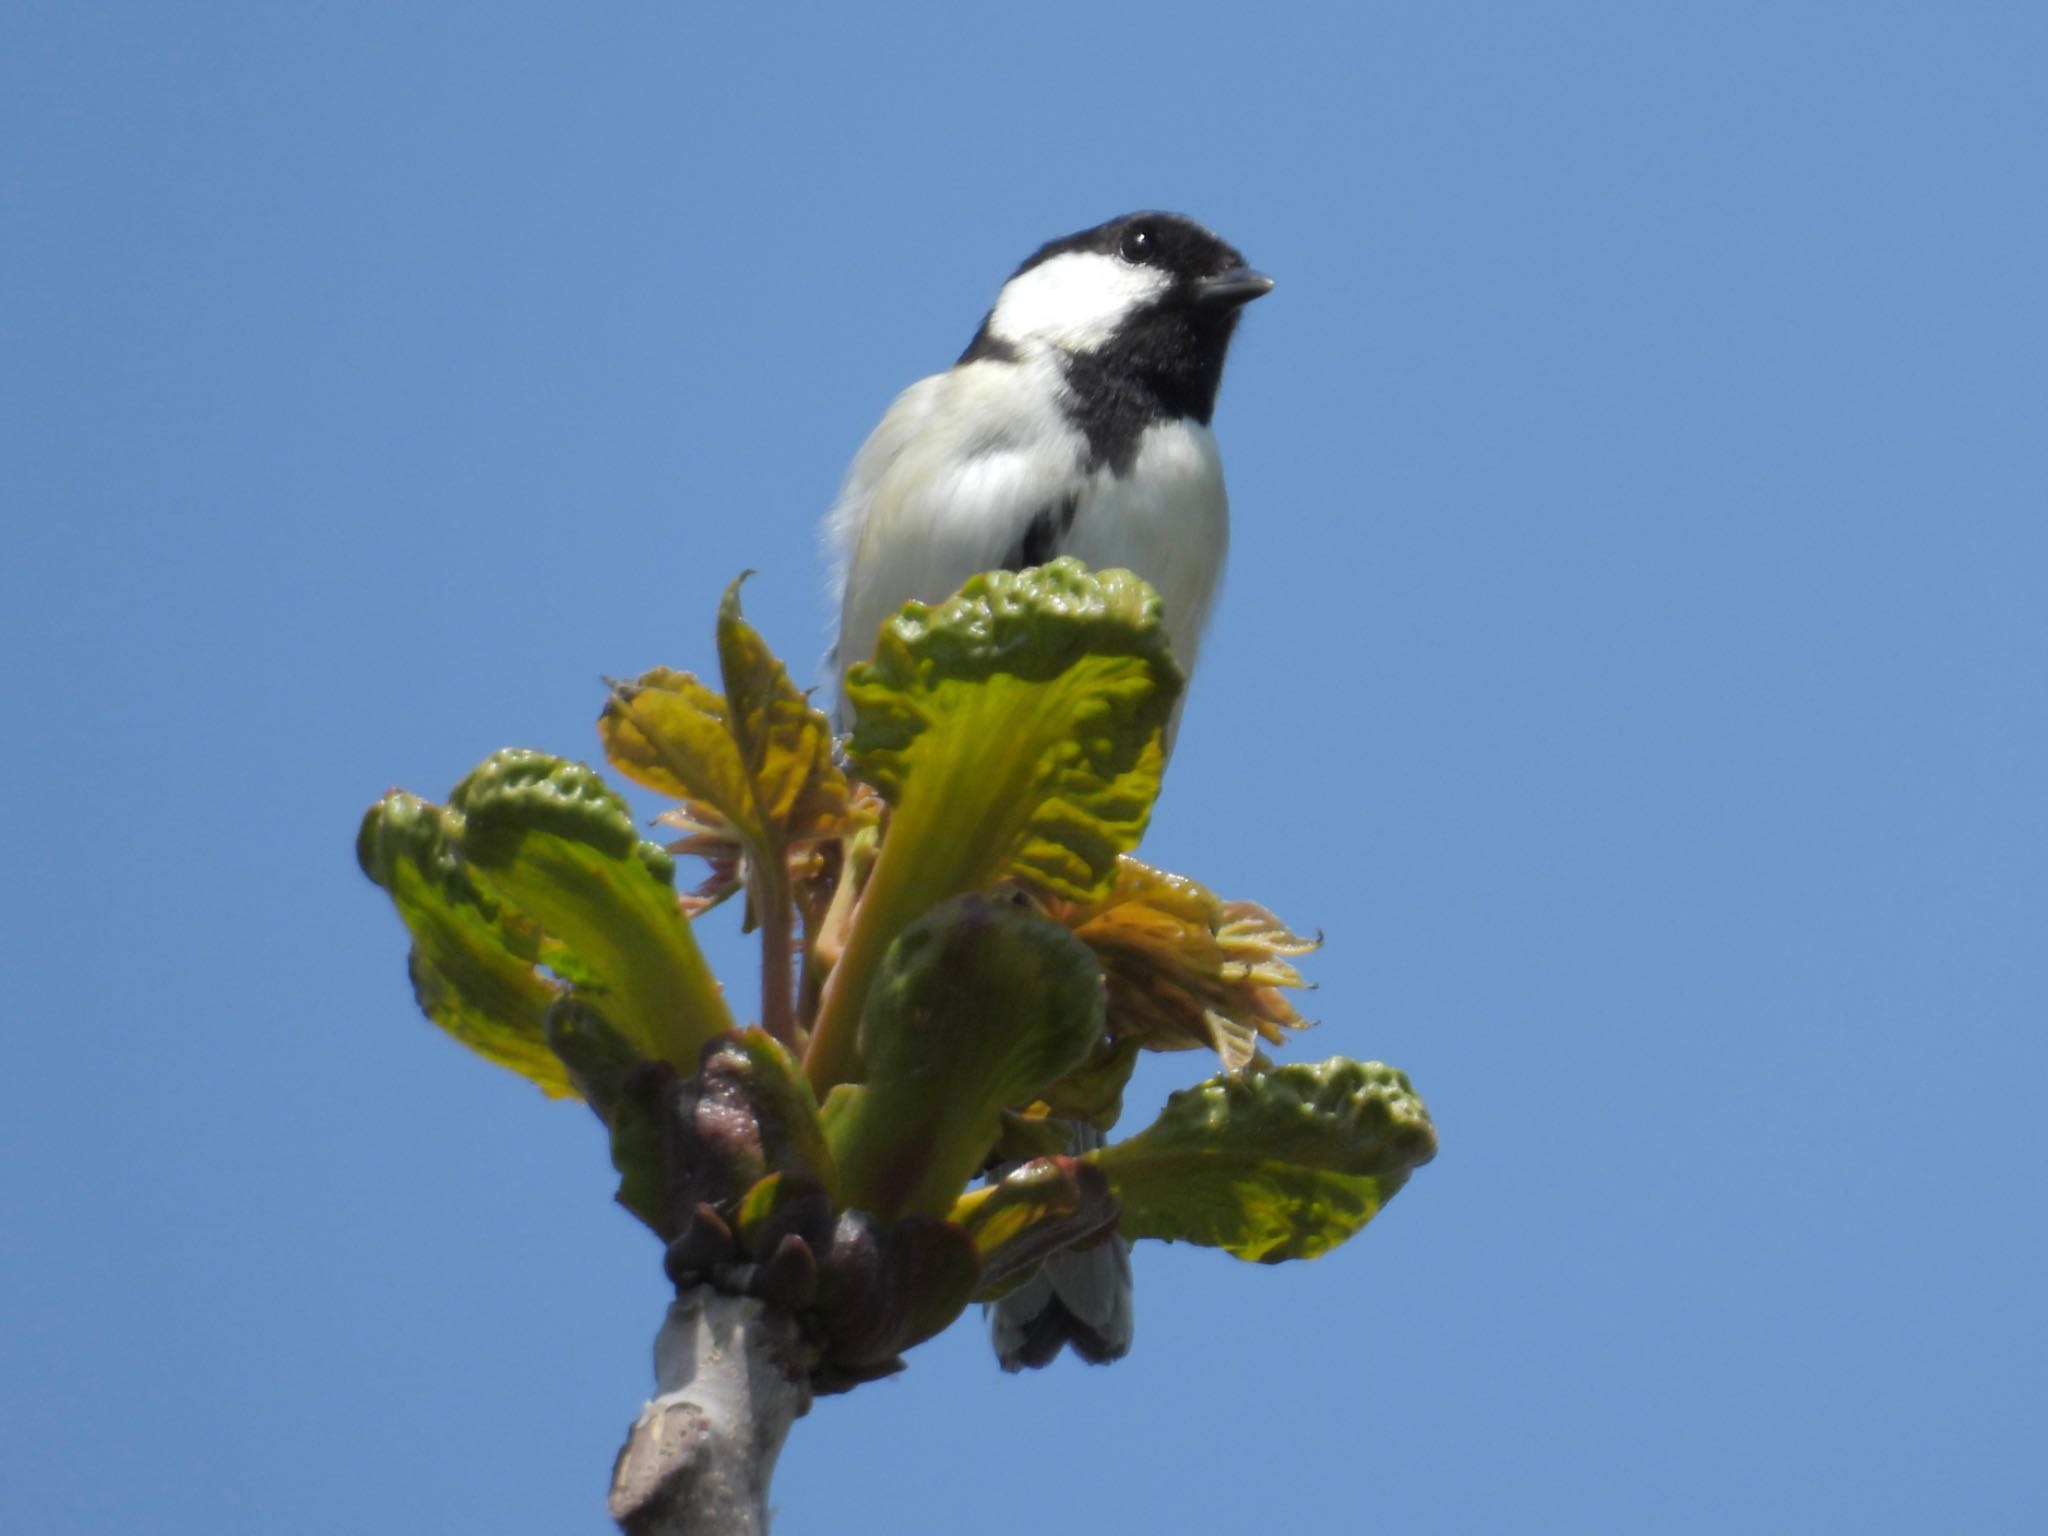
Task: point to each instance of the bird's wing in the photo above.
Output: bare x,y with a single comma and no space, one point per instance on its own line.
954,480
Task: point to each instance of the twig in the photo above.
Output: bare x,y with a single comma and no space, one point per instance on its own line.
698,1460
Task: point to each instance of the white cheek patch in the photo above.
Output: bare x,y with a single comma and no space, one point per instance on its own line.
1073,301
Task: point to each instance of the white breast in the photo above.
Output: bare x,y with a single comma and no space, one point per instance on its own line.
1168,520
949,482
945,487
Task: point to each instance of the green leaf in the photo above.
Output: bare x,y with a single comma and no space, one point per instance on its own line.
551,840
472,960
1016,729
978,1007
1024,715
1284,1164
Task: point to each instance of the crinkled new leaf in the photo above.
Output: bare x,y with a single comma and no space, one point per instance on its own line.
1284,1164
1023,717
1016,729
552,841
472,959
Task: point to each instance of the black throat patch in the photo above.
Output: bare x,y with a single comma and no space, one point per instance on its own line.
1165,363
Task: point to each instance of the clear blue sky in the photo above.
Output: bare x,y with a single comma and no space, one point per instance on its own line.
1634,657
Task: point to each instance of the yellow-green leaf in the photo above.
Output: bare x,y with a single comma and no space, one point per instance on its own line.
472,960
758,757
550,840
1016,729
785,746
667,731
1020,722
1277,1165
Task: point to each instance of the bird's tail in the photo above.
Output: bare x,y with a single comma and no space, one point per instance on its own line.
1079,1298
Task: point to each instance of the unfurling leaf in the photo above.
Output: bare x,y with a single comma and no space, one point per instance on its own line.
753,766
1048,1204
472,958
1284,1164
978,1007
1016,729
1187,969
785,745
667,731
549,839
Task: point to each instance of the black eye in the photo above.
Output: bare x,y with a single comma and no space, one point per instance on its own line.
1137,244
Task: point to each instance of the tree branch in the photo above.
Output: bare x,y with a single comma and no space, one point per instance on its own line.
698,1460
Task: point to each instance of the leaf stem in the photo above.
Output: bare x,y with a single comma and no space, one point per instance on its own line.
776,906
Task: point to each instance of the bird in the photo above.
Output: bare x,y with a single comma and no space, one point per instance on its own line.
1076,422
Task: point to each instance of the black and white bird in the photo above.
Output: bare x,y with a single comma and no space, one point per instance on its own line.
1075,423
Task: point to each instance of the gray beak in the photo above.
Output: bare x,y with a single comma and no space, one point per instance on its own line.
1240,285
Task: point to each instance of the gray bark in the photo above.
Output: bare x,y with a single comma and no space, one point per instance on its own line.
698,1460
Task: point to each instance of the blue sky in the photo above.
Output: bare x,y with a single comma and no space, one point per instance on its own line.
1632,658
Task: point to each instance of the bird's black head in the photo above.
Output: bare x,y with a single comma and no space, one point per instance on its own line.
1142,306
1164,242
